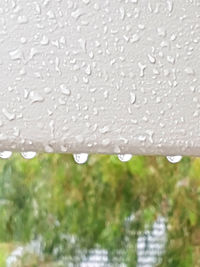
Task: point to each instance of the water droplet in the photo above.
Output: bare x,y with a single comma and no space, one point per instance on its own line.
82,44
16,54
88,70
47,90
161,32
22,20
80,158
106,142
23,40
135,38
142,69
170,5
124,157
133,97
50,14
174,159
104,130
45,40
65,90
171,59
5,154
28,155
152,59
36,97
8,115
76,14
86,2
189,71
122,13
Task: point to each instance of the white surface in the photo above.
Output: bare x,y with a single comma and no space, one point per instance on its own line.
93,76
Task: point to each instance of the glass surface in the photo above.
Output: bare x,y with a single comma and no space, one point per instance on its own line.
55,212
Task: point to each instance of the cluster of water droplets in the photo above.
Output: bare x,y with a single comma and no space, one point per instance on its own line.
82,158
97,47
25,155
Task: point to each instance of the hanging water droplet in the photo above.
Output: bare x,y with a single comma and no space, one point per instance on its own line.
5,154
124,157
174,159
28,155
80,158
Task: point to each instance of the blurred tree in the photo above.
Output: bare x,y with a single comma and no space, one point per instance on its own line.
104,204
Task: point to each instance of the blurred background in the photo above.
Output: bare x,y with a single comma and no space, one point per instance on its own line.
54,212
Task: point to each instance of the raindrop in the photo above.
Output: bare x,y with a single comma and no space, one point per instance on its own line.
16,54
8,115
45,40
80,158
86,2
5,154
36,97
133,97
135,38
124,157
65,90
76,14
174,159
142,69
28,155
161,32
152,59
189,71
22,20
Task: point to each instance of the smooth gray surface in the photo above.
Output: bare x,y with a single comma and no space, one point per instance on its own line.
100,76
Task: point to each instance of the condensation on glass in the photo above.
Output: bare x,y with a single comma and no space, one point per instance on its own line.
115,77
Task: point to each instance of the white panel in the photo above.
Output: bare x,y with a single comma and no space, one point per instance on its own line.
100,76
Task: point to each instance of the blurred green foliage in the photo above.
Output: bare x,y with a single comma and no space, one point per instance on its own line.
5,249
77,208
